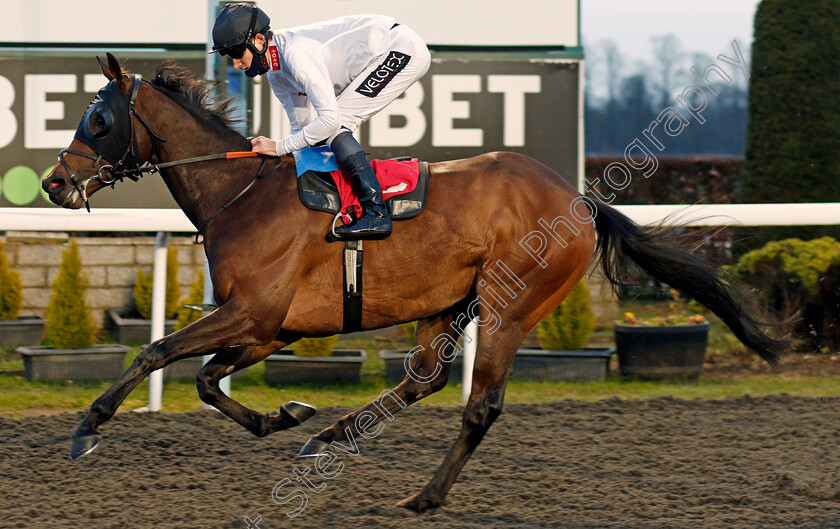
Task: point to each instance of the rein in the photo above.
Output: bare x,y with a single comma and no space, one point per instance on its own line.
199,236
138,172
119,171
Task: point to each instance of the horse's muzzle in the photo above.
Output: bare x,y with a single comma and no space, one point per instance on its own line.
60,193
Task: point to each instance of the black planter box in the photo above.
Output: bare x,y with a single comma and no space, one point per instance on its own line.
656,353
26,330
589,364
134,330
395,366
183,369
100,362
285,368
187,369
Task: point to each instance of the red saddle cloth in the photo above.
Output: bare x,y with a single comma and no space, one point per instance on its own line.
396,177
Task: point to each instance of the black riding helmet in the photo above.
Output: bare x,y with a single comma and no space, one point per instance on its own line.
234,28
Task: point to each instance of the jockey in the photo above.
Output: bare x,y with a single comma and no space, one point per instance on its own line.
347,69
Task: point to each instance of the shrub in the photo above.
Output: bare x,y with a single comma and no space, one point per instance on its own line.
69,325
187,315
143,288
410,329
11,289
799,275
315,346
663,321
568,327
143,294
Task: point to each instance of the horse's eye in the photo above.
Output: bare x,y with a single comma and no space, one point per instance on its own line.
100,122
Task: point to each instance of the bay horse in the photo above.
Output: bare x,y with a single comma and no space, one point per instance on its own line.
503,239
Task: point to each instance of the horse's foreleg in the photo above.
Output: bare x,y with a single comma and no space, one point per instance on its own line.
492,365
227,326
428,375
226,362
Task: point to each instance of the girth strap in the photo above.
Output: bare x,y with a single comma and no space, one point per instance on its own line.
352,286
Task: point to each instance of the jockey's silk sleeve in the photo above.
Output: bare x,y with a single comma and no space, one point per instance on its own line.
312,80
314,64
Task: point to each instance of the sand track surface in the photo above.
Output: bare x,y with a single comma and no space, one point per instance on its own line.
771,462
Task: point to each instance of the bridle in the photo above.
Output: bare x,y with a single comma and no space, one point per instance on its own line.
129,165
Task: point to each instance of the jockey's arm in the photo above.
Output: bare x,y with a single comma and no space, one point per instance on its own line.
311,74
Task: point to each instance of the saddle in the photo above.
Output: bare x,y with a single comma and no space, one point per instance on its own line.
317,189
319,180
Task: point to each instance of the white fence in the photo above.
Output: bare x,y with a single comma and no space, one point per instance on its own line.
154,220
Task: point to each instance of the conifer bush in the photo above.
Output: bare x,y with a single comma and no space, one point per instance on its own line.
568,327
143,288
143,294
187,315
11,289
69,324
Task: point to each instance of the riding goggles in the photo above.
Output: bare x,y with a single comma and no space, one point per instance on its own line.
235,52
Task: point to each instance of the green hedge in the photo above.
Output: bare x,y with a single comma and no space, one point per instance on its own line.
677,180
793,135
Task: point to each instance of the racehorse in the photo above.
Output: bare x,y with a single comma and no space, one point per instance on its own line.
503,239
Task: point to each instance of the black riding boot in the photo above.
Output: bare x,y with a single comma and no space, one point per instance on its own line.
374,222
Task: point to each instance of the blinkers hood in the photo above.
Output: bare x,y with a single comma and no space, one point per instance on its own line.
107,127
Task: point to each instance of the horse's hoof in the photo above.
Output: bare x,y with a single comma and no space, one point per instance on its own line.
313,448
418,504
297,412
84,445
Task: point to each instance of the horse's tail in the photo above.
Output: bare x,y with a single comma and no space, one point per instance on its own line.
656,252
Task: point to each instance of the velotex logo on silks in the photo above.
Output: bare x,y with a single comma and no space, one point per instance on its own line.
383,74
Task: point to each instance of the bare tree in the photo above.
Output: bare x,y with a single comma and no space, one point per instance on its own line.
591,64
667,56
614,63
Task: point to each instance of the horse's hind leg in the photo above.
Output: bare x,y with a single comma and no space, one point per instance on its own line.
493,360
429,375
226,362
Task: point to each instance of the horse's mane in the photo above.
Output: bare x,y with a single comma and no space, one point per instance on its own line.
196,95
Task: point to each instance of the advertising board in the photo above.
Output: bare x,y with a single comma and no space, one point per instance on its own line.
469,103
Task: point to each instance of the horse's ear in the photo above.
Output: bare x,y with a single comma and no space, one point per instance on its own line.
105,70
114,72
